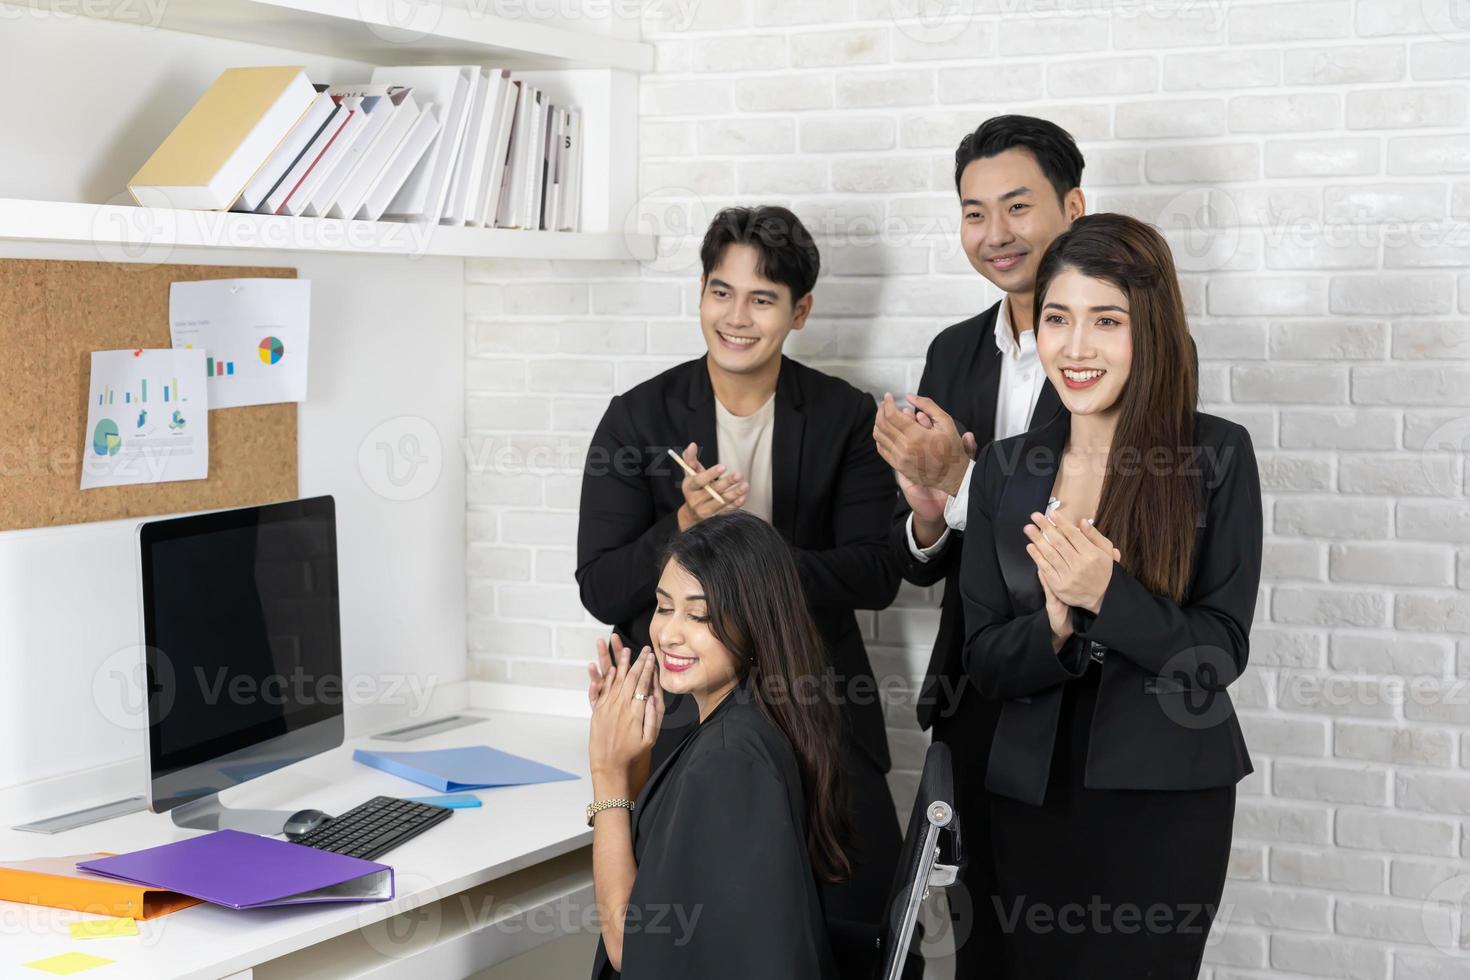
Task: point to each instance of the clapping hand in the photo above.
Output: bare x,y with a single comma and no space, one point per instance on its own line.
1074,562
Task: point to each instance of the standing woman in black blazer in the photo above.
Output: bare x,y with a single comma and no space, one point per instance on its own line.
712,871
1109,578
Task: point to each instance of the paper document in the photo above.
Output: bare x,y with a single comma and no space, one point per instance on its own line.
253,333
147,418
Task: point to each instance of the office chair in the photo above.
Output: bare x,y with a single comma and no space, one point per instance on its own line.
933,818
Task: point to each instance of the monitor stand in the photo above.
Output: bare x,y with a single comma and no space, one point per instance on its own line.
208,813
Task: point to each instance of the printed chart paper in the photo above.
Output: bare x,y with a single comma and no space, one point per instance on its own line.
253,333
147,418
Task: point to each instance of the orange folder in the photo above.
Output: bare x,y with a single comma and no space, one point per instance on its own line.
55,882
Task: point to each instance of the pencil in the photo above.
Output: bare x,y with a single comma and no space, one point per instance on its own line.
688,469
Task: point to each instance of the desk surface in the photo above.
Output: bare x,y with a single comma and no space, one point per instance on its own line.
515,828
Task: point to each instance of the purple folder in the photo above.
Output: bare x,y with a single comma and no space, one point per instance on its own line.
247,871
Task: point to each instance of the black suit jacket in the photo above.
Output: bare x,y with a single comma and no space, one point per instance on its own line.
725,888
961,374
1163,718
831,499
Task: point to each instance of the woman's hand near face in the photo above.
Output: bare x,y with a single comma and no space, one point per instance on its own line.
624,725
623,731
1073,559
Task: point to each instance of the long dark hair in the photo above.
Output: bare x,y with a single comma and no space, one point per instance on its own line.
758,610
1151,492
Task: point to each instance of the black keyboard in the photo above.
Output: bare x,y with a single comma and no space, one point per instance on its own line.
377,826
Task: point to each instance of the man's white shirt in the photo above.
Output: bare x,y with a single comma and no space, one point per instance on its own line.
1021,378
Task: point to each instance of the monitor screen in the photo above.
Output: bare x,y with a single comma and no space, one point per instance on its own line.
243,642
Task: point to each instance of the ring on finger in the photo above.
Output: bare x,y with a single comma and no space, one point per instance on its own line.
640,696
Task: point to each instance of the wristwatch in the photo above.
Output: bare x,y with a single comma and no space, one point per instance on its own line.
593,809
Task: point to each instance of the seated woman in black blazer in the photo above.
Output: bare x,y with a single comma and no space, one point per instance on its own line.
713,873
1109,579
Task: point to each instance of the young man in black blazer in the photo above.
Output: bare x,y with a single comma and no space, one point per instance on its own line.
781,440
1018,180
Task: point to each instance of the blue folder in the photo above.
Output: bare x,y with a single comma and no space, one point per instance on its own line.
455,770
454,801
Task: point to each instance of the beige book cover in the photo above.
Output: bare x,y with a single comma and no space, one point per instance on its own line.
217,147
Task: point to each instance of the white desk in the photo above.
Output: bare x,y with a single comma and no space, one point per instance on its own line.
483,886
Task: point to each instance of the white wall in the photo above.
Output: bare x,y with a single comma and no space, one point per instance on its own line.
1311,164
89,101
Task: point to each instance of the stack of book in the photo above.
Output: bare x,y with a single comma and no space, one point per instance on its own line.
455,145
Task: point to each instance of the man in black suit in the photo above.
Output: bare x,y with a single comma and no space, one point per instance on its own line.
1018,180
793,446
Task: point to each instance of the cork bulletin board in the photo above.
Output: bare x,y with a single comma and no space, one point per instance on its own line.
53,314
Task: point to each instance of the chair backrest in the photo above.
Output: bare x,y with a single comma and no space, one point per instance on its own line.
933,816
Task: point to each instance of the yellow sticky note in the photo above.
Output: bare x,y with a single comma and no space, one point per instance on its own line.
67,963
98,928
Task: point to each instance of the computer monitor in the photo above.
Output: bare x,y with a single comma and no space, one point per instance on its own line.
243,649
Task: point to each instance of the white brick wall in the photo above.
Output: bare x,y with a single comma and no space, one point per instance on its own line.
1311,164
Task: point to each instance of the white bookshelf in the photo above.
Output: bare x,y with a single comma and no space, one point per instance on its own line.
386,32
122,234
594,69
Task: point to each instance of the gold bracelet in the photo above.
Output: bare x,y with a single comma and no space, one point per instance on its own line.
593,809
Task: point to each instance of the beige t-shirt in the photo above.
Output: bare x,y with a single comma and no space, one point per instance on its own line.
745,448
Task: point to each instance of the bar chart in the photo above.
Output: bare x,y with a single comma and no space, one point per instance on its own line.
108,395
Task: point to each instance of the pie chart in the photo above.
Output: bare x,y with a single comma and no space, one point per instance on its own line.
105,440
271,350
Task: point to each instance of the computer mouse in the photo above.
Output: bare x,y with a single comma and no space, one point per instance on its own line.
303,822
